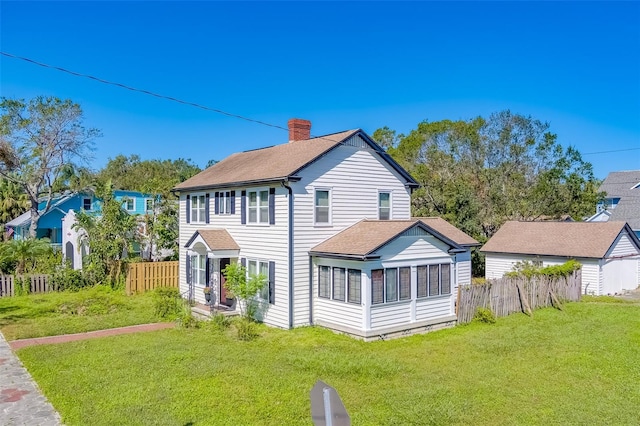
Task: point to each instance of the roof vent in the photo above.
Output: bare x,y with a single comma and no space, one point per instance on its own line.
299,129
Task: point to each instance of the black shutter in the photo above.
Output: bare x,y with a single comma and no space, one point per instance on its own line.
233,202
243,262
272,282
207,272
272,206
206,207
188,215
216,208
243,207
188,267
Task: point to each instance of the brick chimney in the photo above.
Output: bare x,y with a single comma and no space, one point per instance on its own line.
299,129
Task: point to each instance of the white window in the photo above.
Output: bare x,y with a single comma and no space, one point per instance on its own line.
129,204
392,284
198,269
148,204
86,203
324,280
384,205
197,208
258,206
224,201
322,211
339,284
261,267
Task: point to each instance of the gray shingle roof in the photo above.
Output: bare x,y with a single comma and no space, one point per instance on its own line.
621,185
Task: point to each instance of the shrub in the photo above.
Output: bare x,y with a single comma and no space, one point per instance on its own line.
22,285
166,302
528,269
484,315
247,330
219,322
66,278
185,317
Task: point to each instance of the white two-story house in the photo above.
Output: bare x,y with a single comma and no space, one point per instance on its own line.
328,221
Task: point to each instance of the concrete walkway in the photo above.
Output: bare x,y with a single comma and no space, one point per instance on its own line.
21,402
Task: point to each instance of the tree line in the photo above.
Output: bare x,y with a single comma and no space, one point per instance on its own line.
479,173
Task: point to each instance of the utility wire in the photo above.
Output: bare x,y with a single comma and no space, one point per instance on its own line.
146,92
613,150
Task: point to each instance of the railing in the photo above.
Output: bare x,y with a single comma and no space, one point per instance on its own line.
145,276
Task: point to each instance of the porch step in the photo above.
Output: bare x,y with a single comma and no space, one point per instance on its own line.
203,312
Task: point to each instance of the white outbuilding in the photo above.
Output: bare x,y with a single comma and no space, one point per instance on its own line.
608,251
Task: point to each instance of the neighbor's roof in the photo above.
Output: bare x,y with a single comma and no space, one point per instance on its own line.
366,236
565,239
22,220
627,210
620,184
272,163
216,239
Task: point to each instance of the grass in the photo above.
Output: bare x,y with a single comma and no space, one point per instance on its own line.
49,314
577,366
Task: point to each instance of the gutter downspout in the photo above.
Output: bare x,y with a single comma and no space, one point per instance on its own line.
285,183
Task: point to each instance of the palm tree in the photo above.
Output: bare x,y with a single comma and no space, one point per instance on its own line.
13,201
23,251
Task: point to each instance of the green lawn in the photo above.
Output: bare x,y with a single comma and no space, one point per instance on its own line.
54,313
578,366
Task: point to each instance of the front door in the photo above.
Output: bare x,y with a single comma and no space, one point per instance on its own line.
223,291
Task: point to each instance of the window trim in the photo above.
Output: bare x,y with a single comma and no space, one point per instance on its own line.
195,269
126,200
384,191
203,208
330,284
329,221
90,204
146,204
428,280
257,208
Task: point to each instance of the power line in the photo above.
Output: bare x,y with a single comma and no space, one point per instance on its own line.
613,150
146,92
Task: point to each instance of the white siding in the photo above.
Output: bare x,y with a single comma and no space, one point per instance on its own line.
496,265
622,246
412,248
432,308
339,313
266,242
354,176
464,268
390,315
591,276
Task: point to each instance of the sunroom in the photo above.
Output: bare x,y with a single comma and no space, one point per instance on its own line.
380,279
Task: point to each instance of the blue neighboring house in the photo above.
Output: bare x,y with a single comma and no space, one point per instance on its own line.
63,207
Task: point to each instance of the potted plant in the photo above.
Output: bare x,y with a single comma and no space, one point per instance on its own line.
207,294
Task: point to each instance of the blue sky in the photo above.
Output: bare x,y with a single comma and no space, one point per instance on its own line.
340,65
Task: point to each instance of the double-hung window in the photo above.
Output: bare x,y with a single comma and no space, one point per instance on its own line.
129,204
198,269
86,204
148,205
384,205
322,207
258,207
225,202
261,267
198,208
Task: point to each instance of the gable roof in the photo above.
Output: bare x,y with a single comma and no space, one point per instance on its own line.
623,185
565,239
215,239
365,237
278,162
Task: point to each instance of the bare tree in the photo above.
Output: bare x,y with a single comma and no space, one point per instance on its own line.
38,139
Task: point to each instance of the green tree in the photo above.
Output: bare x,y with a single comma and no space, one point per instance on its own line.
109,236
38,139
244,289
13,200
479,173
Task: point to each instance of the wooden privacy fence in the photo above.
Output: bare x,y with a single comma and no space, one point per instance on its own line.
39,284
507,295
145,276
